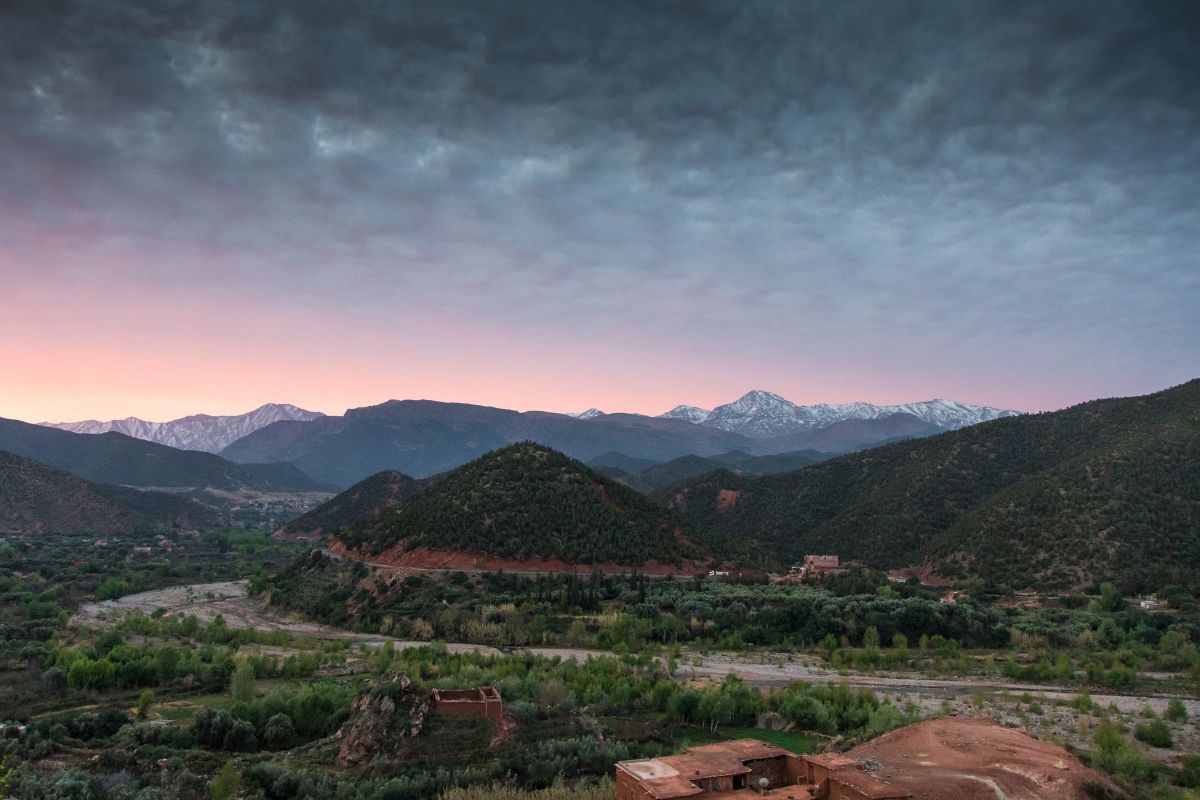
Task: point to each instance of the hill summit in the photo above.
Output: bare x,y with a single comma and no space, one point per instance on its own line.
528,503
365,500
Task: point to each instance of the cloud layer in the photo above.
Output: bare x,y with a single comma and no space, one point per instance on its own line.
632,203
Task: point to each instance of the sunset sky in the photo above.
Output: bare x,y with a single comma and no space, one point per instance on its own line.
205,206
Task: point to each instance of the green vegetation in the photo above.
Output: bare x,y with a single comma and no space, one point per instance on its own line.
851,620
1110,487
527,501
574,721
44,578
1137,774
364,500
651,477
37,499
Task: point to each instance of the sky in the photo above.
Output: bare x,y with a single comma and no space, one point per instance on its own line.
205,206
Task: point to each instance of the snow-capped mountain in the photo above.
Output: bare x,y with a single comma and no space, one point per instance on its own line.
591,413
196,432
762,414
692,414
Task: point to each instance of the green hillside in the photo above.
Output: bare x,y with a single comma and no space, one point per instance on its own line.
35,498
1105,490
363,501
527,500
114,458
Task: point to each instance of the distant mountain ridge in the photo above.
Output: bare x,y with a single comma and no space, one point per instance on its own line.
761,415
649,476
425,437
205,432
115,458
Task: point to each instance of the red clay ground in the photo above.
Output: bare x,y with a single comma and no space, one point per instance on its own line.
953,758
425,558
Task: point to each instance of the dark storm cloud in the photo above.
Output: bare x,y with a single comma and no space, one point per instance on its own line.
947,175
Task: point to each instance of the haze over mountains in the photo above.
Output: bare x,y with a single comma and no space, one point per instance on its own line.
205,432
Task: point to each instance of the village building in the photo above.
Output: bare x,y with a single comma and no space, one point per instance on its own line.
816,564
483,702
747,768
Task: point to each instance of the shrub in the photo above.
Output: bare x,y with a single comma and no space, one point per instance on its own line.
1155,734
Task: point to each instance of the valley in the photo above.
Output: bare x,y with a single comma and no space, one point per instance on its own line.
288,639
230,600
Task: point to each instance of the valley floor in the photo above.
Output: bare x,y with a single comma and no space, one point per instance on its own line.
1014,702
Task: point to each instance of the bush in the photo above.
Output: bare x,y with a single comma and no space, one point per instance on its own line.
1155,734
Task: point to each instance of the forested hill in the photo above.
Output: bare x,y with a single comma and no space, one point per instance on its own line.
364,501
35,498
114,458
528,501
1109,489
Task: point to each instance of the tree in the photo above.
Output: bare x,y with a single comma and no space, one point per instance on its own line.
241,687
226,783
166,664
871,638
240,737
278,731
384,659
1176,711
1110,742
145,700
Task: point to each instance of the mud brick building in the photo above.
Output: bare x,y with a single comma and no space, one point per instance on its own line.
484,702
748,768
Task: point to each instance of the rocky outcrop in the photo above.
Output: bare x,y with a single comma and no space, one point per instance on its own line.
385,714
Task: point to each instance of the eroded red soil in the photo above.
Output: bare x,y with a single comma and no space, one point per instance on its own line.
953,758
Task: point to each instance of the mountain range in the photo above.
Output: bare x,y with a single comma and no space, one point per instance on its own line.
1108,489
425,437
763,415
205,432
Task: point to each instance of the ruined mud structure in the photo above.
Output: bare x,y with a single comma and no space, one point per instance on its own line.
483,702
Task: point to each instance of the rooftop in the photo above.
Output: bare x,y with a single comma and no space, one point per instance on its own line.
673,776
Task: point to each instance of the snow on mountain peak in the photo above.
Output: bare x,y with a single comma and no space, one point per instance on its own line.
591,413
196,432
763,414
693,414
